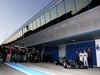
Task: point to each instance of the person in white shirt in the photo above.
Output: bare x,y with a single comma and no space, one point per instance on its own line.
81,56
85,55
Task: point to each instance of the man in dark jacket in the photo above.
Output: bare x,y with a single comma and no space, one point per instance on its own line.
90,56
4,54
77,57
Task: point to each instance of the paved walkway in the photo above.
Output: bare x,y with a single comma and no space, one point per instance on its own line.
7,70
59,70
49,68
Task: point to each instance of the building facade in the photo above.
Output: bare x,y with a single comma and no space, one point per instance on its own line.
60,28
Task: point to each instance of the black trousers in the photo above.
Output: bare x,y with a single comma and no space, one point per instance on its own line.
90,62
4,57
77,60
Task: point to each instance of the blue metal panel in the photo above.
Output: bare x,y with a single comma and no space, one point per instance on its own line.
72,48
53,51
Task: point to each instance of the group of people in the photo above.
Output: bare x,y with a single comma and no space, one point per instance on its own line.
47,57
20,55
85,57
15,54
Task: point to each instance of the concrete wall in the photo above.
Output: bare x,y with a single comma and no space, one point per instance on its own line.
85,22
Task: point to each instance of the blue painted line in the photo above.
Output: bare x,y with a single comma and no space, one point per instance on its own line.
28,70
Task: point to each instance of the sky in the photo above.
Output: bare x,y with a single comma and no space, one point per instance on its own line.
15,13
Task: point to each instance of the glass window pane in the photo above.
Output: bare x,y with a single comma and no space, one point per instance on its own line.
89,1
47,17
21,33
53,13
30,27
18,35
60,9
81,6
15,37
70,8
42,19
25,30
34,25
93,3
38,22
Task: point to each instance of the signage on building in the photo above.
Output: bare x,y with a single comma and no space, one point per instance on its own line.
97,46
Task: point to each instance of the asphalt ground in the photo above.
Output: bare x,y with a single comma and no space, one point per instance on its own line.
7,70
60,70
49,68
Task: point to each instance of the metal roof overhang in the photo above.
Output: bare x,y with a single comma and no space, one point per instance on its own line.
88,36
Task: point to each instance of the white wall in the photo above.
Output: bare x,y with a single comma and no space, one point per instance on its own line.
62,50
97,44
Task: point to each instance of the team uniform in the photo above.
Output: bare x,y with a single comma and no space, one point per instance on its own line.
85,55
81,57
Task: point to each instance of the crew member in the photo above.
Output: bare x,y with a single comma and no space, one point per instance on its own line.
81,56
85,55
90,56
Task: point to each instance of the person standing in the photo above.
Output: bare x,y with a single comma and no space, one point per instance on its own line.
90,56
8,53
81,56
85,55
77,57
4,55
